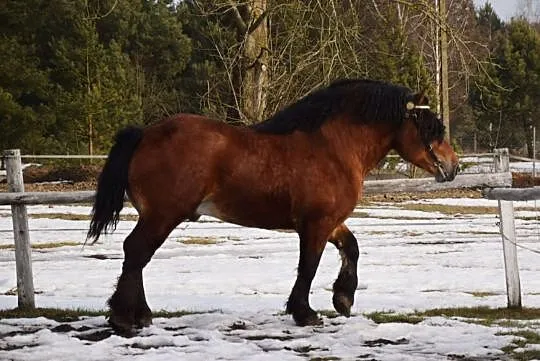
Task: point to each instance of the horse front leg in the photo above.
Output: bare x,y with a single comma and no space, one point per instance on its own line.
312,242
347,281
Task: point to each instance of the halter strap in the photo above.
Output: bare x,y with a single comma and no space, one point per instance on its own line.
436,162
429,148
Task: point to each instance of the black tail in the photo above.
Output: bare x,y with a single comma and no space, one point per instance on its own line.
113,182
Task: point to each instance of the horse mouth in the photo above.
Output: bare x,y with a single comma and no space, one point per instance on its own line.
446,174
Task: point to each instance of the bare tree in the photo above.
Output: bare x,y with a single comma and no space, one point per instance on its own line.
293,47
246,64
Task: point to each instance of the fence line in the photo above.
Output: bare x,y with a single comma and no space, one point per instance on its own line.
502,179
62,156
18,199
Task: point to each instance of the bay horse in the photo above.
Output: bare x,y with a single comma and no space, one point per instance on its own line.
302,169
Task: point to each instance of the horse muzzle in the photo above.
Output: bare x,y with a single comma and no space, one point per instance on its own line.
445,172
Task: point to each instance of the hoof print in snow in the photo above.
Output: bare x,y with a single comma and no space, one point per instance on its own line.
95,336
63,328
382,341
238,325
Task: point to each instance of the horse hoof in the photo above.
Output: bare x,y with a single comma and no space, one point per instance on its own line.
121,327
310,320
144,321
342,304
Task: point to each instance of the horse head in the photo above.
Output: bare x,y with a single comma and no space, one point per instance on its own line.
421,140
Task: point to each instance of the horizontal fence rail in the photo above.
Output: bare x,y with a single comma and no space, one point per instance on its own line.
503,179
512,194
60,156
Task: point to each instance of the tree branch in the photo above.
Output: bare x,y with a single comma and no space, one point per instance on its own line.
240,23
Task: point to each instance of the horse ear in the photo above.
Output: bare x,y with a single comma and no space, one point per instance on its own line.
421,98
414,100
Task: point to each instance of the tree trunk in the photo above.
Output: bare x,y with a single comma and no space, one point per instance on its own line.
251,75
528,130
444,68
255,65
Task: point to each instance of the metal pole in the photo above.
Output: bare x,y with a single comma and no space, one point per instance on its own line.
23,263
534,152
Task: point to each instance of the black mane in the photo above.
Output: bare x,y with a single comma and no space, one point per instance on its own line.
365,100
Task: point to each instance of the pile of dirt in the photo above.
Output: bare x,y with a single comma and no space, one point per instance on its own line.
47,178
524,180
70,174
405,196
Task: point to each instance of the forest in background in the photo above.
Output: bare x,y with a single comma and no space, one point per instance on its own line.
74,72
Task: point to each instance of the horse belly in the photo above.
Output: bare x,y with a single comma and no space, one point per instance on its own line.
247,214
208,208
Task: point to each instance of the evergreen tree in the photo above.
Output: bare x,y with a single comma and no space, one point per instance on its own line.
508,92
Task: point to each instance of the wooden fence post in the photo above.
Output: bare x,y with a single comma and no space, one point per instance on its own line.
501,160
25,283
508,234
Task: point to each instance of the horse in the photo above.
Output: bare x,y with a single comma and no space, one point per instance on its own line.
302,169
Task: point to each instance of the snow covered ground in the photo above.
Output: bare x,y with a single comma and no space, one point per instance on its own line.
238,279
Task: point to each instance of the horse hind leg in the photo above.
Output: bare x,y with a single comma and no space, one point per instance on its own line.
128,307
347,281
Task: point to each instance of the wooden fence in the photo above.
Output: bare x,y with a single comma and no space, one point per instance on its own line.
18,199
505,197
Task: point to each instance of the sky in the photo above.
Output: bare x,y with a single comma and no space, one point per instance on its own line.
504,8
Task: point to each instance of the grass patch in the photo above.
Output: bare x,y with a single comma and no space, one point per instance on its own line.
412,234
200,240
387,317
523,338
430,290
449,209
481,315
78,217
44,245
359,214
534,218
527,355
60,315
481,294
502,317
65,315
485,312
55,245
171,314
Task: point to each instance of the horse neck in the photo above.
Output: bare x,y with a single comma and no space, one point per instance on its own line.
360,146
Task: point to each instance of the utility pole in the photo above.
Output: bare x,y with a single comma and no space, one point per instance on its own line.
444,67
437,60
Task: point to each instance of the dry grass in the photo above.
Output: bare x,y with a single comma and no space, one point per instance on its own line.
44,245
200,241
449,209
